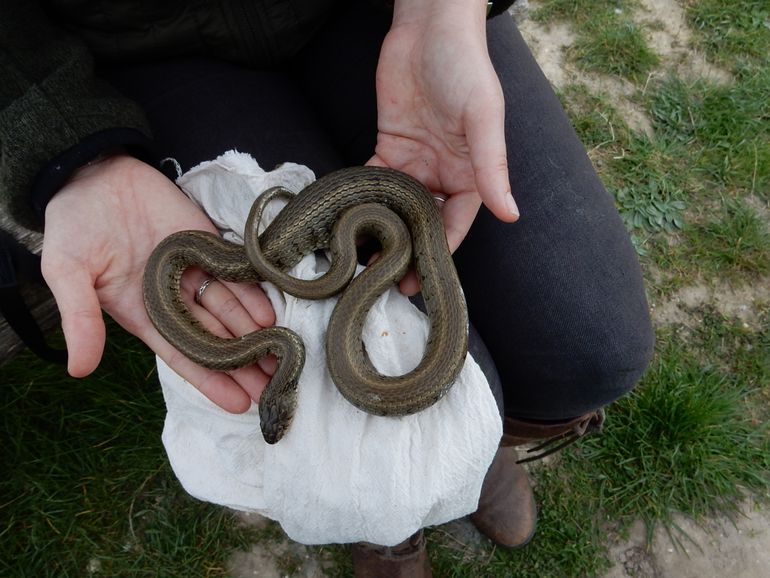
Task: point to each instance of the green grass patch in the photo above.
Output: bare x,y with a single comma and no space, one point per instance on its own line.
681,442
609,41
734,243
87,489
723,130
732,32
740,348
615,45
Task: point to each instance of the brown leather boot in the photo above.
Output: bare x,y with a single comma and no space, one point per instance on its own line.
557,436
507,513
409,559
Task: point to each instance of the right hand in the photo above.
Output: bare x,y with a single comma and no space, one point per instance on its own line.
100,229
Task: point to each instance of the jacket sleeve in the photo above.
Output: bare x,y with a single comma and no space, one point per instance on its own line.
55,115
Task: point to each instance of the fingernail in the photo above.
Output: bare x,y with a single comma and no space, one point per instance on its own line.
511,205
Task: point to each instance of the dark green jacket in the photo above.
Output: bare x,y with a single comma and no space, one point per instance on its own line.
55,115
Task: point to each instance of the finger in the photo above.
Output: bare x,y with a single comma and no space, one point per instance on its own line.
218,300
254,301
458,213
228,327
219,387
232,391
485,131
81,316
410,284
252,380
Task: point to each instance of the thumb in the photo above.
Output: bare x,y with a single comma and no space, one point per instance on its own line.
81,316
485,131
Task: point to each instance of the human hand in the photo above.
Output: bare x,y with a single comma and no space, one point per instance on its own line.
99,232
441,111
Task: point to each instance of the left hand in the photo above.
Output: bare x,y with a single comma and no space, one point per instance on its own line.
441,110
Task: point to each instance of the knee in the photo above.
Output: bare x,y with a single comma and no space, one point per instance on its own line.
593,368
614,366
606,365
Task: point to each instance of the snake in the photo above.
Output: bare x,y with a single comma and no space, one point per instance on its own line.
329,214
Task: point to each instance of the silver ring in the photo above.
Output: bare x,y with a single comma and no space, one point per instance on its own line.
201,289
439,198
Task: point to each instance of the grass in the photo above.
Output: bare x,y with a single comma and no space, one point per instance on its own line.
731,32
737,241
681,443
86,488
609,41
693,438
616,45
725,128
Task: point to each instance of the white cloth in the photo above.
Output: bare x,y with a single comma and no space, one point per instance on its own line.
338,475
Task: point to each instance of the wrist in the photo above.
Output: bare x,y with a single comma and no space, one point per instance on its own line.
103,164
65,166
424,12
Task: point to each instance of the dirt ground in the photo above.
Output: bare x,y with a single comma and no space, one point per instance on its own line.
717,548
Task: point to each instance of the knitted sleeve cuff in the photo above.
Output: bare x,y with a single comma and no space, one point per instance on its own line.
51,177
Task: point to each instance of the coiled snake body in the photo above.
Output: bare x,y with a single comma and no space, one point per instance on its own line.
330,213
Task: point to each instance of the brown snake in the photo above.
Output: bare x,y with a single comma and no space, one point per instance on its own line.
330,213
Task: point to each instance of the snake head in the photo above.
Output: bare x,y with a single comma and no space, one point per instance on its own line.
275,416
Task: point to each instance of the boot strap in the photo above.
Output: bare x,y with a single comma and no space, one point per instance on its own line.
556,436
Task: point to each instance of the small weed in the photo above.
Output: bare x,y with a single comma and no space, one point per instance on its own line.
653,207
615,45
738,242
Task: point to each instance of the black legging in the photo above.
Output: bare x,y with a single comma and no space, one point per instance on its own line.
557,297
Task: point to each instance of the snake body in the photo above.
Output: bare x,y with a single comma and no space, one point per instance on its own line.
329,213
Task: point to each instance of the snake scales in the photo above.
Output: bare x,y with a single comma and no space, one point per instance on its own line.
330,213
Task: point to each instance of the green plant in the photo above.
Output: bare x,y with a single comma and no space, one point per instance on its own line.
652,208
615,45
738,241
